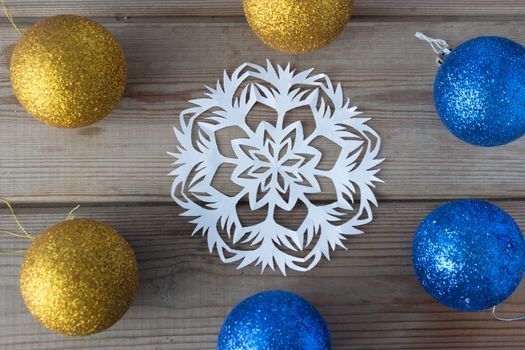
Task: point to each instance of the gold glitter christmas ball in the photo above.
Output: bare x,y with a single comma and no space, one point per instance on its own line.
297,26
68,71
79,277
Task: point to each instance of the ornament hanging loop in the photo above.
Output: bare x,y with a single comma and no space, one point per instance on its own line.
439,46
24,233
10,17
71,215
504,319
17,221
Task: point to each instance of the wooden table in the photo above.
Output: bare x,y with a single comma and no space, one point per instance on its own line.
117,170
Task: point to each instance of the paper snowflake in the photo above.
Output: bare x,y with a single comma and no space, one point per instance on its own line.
275,166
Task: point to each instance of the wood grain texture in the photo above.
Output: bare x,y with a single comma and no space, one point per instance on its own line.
386,71
118,169
369,295
123,8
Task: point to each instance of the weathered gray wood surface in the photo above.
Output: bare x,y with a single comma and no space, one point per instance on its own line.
368,294
117,169
386,71
141,8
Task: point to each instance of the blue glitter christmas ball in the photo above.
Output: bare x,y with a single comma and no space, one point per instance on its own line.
469,255
274,320
479,91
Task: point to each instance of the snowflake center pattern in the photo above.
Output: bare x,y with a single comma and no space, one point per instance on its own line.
275,166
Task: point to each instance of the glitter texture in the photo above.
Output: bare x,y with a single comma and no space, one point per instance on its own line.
79,277
479,91
275,320
68,71
297,26
469,255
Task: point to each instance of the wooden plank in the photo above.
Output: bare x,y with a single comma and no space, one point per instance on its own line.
123,8
369,295
384,69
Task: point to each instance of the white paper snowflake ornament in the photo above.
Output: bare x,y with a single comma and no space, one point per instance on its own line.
275,166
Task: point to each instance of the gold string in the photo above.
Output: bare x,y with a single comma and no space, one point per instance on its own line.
26,234
18,235
10,17
13,234
71,216
9,252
